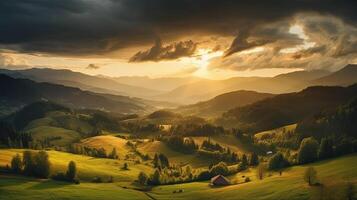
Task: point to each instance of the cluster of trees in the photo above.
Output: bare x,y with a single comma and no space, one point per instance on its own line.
70,175
176,174
310,150
196,130
225,156
210,146
12,138
93,152
278,162
218,153
245,162
161,161
35,164
137,127
181,144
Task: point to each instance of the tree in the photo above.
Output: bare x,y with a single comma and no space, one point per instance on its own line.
156,178
71,171
164,160
126,166
261,171
219,169
114,154
244,160
156,161
277,162
143,178
326,149
42,164
254,160
308,150
28,162
310,175
16,164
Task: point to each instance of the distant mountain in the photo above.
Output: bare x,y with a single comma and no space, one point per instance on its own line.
80,80
221,103
206,89
18,92
345,76
287,109
160,84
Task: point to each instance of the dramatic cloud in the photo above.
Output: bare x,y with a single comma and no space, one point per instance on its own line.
87,27
170,52
325,42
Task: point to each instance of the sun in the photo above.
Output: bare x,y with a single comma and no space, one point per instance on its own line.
202,60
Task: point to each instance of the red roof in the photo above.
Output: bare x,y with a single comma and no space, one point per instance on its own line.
219,180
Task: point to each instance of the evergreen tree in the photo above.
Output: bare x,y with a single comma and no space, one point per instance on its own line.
16,164
42,164
142,178
28,162
254,160
156,178
244,161
71,171
326,149
308,150
114,154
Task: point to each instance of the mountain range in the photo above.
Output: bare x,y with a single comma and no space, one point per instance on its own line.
188,90
15,93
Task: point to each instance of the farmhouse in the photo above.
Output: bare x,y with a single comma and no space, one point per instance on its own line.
219,180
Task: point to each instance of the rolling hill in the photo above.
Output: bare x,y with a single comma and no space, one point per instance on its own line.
82,81
206,89
287,108
221,103
19,92
333,173
344,77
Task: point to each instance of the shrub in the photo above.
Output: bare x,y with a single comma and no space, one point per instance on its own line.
97,179
126,166
143,178
310,175
219,169
60,177
308,150
277,161
247,179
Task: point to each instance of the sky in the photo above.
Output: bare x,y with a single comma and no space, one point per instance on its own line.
215,39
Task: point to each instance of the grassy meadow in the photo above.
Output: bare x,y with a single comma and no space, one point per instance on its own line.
332,174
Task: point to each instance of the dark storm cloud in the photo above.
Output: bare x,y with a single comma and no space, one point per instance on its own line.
78,27
160,52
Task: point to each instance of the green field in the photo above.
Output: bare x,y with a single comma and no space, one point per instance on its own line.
290,186
88,167
151,148
20,188
333,174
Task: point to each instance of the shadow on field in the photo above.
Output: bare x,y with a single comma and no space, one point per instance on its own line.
49,184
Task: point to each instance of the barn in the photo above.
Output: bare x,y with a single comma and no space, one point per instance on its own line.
219,180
